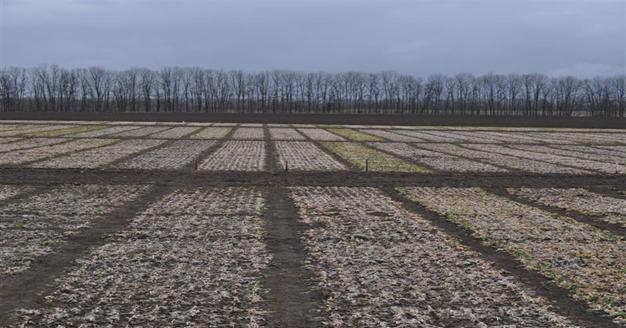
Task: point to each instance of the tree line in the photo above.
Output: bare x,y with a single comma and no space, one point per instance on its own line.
182,89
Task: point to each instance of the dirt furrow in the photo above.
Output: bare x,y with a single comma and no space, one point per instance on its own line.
271,154
294,300
38,176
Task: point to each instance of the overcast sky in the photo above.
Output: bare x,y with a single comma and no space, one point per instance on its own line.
558,37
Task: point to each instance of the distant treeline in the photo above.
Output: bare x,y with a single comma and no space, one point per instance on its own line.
172,89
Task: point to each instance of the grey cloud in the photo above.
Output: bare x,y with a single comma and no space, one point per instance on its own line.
419,37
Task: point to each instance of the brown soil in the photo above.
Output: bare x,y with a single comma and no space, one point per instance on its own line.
365,119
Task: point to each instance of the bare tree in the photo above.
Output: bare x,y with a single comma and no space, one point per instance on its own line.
52,88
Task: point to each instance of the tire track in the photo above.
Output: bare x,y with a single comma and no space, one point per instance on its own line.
37,176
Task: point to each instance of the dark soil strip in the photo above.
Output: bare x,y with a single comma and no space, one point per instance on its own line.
28,289
576,215
38,176
609,191
293,297
271,154
559,297
317,118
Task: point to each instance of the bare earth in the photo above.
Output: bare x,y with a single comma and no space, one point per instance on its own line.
286,225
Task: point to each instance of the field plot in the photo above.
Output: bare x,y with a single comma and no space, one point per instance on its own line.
305,156
587,261
236,156
211,133
175,133
248,134
141,132
199,267
501,160
174,156
30,128
392,136
354,135
380,266
371,159
34,226
105,131
65,131
578,163
320,135
285,134
29,143
604,208
101,156
36,154
438,161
